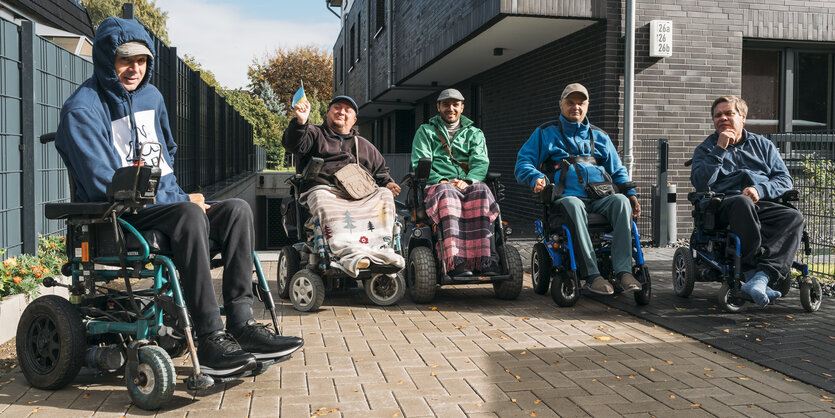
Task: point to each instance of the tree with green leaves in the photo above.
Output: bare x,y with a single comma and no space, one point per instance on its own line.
267,126
146,11
285,71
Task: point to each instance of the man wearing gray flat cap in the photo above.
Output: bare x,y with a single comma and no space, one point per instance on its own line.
459,166
575,155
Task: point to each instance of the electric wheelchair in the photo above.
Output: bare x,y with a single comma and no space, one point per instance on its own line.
714,255
554,262
304,268
109,329
425,265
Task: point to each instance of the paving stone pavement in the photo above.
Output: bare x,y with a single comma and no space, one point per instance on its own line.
466,354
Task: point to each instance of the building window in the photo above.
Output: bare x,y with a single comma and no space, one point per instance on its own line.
339,64
351,48
761,89
357,39
379,17
804,103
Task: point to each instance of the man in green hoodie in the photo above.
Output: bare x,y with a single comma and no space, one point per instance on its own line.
459,165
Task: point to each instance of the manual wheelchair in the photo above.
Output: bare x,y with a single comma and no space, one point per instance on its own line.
304,268
108,329
714,255
553,259
426,272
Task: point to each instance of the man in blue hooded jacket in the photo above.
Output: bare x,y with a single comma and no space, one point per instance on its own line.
748,170
103,124
550,148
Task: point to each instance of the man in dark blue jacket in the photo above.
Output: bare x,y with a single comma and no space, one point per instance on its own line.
549,150
747,168
103,125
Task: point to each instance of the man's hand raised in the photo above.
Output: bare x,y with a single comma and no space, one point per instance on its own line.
302,111
726,137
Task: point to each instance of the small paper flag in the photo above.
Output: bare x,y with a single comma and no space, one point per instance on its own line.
299,96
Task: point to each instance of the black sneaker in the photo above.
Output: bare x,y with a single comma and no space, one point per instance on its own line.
221,355
460,271
264,344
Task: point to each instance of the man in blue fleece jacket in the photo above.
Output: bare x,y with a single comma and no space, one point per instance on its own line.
747,168
103,125
549,149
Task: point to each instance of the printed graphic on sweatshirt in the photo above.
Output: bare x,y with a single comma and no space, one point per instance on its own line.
146,132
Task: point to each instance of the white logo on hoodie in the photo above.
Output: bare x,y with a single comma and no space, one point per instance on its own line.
147,132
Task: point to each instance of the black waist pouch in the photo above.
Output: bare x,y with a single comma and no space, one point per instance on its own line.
600,189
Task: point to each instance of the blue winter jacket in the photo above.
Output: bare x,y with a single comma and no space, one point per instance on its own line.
547,143
753,161
101,121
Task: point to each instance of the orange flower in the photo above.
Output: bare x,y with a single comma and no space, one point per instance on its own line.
9,262
51,245
38,275
63,239
17,279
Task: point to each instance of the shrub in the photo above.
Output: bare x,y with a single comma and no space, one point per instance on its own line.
25,273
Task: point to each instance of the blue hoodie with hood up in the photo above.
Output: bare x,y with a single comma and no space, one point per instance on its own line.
102,122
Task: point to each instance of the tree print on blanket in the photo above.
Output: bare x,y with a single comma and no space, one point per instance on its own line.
349,222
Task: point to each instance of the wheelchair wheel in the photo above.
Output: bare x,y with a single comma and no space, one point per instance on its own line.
51,342
643,296
541,265
565,288
785,286
510,289
288,265
307,291
810,293
684,272
385,289
153,385
422,275
728,301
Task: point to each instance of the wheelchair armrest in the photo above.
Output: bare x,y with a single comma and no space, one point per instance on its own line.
491,175
76,210
790,196
47,137
311,170
546,196
380,176
625,187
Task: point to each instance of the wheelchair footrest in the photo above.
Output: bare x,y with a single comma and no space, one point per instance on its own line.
475,279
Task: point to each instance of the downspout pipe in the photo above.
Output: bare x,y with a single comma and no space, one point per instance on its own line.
629,87
328,6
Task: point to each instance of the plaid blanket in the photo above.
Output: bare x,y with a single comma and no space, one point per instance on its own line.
465,218
354,229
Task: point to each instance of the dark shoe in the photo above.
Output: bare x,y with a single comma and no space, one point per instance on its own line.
600,286
628,282
221,355
461,270
264,344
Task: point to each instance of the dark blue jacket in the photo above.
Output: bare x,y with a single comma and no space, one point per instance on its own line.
101,122
753,161
547,143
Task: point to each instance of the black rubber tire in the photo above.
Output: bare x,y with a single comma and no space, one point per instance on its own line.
684,272
422,275
153,387
385,290
51,342
510,289
307,291
727,302
565,288
811,293
541,267
785,286
643,296
288,266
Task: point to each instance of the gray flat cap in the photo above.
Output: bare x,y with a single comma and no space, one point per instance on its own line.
574,88
450,94
129,49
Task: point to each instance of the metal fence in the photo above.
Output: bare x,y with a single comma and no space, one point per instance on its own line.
37,76
810,158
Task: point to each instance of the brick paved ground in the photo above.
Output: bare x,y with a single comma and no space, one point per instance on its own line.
466,354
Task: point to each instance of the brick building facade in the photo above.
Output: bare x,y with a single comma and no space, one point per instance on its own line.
512,58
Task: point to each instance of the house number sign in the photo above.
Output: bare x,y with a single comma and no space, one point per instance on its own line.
661,38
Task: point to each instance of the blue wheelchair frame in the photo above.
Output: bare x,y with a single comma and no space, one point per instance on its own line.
714,255
554,262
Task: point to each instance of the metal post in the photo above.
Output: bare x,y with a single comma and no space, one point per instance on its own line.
629,86
27,140
672,218
660,215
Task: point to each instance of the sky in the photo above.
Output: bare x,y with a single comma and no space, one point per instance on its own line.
225,36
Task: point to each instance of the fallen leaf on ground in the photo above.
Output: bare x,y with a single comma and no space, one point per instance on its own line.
432,308
672,396
695,405
602,338
708,375
744,378
537,401
726,330
668,362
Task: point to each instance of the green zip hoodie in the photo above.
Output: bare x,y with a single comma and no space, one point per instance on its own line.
467,146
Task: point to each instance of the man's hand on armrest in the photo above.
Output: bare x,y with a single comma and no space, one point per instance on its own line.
752,193
636,207
199,200
395,189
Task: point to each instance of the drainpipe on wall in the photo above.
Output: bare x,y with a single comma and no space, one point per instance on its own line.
389,31
629,86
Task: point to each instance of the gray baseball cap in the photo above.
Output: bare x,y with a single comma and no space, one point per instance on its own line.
574,88
129,49
450,94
